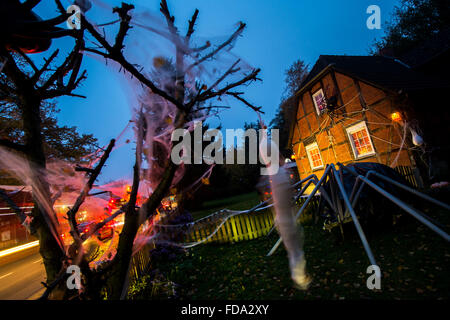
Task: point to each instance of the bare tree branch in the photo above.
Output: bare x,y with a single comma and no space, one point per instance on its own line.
39,72
119,58
72,62
71,214
205,46
231,70
125,19
191,26
67,89
211,107
88,170
108,23
49,287
170,19
220,47
153,201
60,6
30,4
237,95
211,94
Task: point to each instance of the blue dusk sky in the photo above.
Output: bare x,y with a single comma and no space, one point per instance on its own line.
278,33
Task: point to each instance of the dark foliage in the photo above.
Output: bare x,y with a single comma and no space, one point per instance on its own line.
414,21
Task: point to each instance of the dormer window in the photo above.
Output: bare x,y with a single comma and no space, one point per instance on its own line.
319,101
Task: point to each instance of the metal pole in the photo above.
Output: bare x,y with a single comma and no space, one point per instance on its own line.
355,219
325,195
407,208
398,184
303,180
415,213
417,193
303,190
354,197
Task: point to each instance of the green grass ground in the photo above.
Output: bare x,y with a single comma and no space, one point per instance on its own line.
240,202
414,262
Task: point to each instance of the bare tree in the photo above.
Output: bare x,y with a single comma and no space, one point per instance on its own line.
27,85
112,276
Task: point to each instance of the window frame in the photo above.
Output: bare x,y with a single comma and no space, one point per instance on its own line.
311,163
355,128
316,93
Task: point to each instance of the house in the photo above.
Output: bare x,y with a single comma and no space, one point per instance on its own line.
373,109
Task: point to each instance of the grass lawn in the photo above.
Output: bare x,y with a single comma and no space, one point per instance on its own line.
240,202
413,260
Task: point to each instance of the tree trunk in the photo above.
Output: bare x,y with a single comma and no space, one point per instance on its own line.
120,268
50,250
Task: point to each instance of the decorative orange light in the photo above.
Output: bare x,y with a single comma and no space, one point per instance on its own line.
293,157
128,189
396,116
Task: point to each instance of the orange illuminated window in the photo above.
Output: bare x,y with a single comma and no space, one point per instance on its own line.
315,159
360,140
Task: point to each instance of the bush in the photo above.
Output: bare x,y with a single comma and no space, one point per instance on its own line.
157,288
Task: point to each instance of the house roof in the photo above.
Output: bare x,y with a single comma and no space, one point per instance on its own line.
380,71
